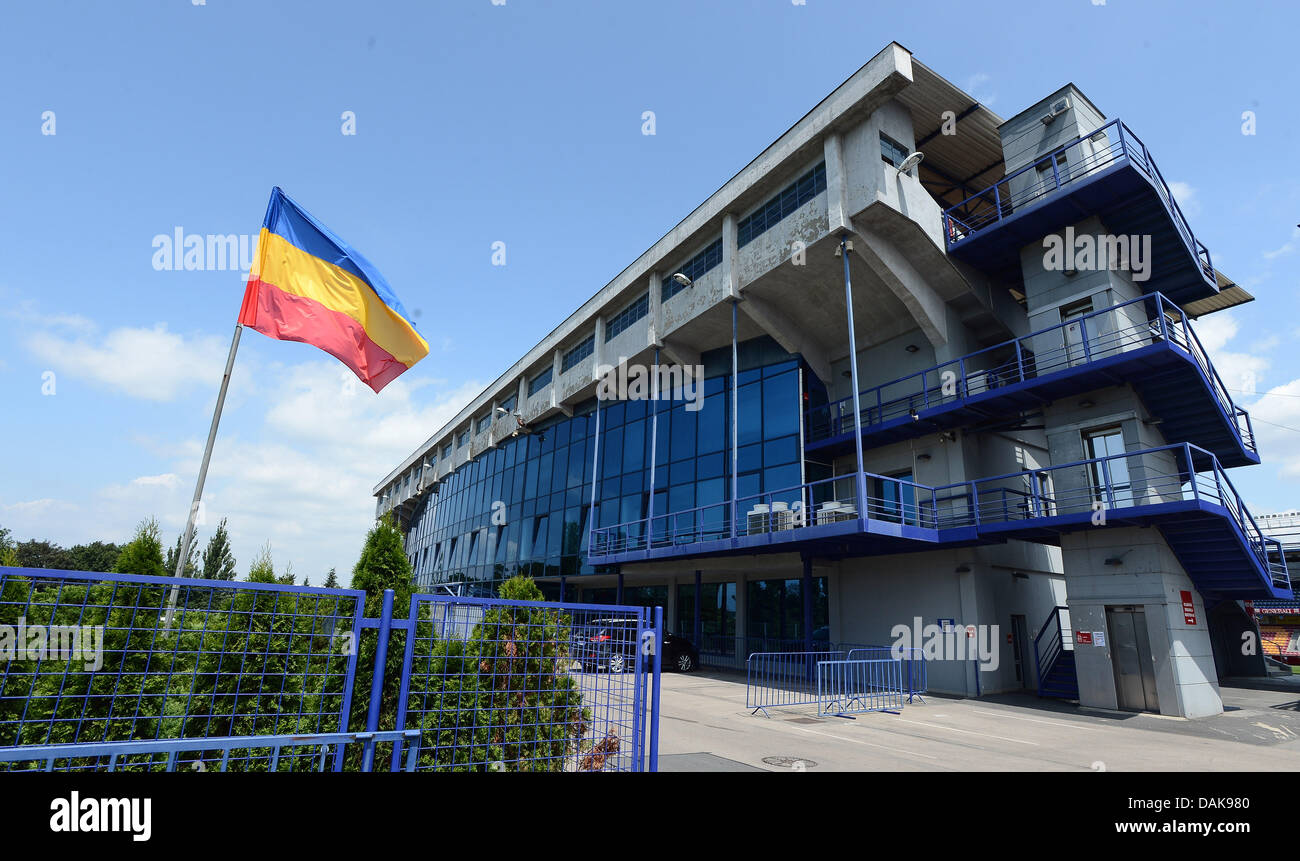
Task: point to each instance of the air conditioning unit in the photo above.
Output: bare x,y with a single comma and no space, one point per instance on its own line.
1059,107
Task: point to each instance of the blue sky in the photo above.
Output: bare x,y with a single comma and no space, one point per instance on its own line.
520,123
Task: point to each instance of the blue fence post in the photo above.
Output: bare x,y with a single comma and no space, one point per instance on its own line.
377,682
654,708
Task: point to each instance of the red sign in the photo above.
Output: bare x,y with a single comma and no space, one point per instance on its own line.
1189,608
1083,638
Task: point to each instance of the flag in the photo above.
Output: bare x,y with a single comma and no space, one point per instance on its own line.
308,285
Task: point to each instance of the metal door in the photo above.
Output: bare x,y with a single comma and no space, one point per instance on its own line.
1130,654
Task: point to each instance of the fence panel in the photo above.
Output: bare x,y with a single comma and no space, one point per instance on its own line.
916,679
93,658
315,752
505,685
849,687
779,679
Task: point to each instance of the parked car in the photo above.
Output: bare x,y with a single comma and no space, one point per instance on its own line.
611,645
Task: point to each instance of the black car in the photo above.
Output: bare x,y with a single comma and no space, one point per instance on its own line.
610,644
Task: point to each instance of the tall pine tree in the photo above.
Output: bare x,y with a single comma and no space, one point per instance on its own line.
218,560
144,554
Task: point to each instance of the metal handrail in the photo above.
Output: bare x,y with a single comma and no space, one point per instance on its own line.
932,387
1126,146
1012,497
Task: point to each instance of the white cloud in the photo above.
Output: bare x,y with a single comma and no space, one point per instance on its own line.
151,364
1185,194
300,480
1276,411
976,86
1240,372
1287,247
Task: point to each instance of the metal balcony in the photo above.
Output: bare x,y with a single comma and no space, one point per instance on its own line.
1179,489
1108,173
1147,342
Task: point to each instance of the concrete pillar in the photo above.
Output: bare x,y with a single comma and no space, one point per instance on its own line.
837,189
730,249
1143,573
598,348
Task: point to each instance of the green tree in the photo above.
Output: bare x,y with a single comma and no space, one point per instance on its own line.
262,570
191,564
9,553
143,555
383,565
331,580
218,559
42,554
504,696
95,556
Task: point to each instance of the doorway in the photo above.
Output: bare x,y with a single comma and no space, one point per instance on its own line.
1130,654
1076,336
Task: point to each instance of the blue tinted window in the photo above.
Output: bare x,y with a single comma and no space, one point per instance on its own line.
629,315
701,263
539,382
781,205
577,354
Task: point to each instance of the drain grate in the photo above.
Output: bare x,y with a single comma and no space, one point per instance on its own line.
792,762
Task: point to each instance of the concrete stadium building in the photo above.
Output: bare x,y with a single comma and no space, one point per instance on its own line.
1012,423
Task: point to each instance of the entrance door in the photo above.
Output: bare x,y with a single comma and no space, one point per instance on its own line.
1075,333
1130,649
1020,652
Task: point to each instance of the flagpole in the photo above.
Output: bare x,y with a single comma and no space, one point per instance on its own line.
203,474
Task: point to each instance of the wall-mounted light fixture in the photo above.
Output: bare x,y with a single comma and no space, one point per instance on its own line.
912,348
923,458
963,568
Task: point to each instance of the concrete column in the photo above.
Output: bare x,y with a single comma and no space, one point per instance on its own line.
1145,574
656,310
730,249
837,187
598,348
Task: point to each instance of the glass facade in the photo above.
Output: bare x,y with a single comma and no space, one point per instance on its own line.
524,507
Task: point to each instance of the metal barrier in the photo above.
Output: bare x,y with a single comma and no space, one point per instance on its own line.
916,678
531,686
98,663
486,684
849,687
777,679
315,752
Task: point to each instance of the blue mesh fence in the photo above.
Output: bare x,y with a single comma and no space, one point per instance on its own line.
523,686
99,664
92,658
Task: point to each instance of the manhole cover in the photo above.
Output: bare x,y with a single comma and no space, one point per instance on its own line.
791,762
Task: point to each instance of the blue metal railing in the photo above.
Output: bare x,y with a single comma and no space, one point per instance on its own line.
854,686
1096,487
312,752
1069,163
1102,334
1052,640
779,679
916,678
